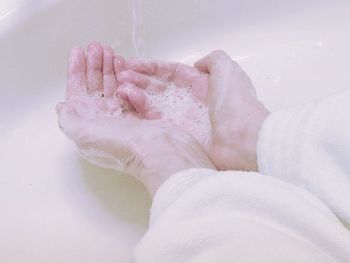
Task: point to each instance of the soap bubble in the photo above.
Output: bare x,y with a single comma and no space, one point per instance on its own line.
178,105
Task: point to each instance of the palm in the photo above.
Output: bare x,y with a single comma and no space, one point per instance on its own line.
114,125
229,138
172,92
107,130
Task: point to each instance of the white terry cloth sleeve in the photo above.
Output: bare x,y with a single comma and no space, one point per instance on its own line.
202,216
309,146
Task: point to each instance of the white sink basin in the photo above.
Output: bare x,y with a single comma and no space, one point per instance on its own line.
55,207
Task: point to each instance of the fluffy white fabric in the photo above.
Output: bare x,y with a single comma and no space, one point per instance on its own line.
288,213
310,147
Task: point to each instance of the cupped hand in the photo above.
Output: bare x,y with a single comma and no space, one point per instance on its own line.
235,113
226,91
175,93
109,130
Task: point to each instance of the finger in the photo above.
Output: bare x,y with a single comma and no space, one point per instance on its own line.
160,69
113,105
199,87
226,76
207,64
184,75
203,64
165,70
94,67
76,80
143,66
138,100
228,87
129,76
122,92
119,64
109,78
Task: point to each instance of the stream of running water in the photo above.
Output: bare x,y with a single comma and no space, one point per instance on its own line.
137,24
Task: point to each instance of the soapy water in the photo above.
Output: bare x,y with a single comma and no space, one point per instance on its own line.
179,107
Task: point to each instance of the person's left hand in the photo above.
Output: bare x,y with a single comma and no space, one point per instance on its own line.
110,133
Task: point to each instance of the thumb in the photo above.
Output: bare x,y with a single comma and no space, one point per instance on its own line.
68,119
208,64
229,86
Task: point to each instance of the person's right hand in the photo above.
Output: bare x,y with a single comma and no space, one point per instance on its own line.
236,115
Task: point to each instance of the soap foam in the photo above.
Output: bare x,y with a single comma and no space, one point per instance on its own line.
179,107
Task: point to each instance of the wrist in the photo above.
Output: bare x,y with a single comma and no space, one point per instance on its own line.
153,178
254,127
233,145
168,157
